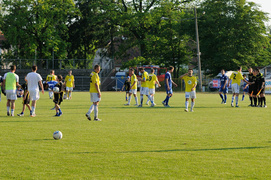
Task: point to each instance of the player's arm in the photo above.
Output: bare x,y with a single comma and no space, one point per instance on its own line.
97,87
225,83
25,94
194,87
186,74
157,82
248,82
174,83
41,86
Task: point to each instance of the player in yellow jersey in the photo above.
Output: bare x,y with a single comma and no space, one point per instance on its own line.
51,77
133,87
95,93
152,82
236,78
69,83
144,89
190,89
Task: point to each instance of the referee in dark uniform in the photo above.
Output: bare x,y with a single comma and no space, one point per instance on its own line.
250,79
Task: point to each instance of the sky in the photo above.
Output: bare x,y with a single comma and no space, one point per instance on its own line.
265,7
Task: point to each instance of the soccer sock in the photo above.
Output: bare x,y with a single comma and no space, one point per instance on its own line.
136,100
243,97
192,105
12,112
152,98
149,98
255,101
7,108
141,99
264,100
166,100
59,110
186,104
259,100
90,109
232,99
221,97
250,100
70,95
95,111
129,100
225,98
33,109
236,100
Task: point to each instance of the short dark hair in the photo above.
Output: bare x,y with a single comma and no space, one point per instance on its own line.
131,69
257,69
13,67
96,66
141,68
152,70
240,67
59,77
190,69
170,68
34,68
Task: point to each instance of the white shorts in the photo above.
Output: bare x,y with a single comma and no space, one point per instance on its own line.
144,90
94,97
34,95
11,94
133,91
152,91
235,88
69,88
191,94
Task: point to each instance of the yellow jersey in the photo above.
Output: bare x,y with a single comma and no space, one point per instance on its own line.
134,80
94,79
236,77
69,79
145,77
152,81
190,82
51,77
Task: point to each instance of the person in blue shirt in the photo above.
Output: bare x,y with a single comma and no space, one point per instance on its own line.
223,86
246,87
168,86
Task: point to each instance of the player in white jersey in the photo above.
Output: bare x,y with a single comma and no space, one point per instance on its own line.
34,80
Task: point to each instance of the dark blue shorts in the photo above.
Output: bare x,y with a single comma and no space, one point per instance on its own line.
224,90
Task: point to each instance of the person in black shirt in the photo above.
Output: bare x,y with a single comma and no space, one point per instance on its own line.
127,85
260,80
58,95
250,90
26,99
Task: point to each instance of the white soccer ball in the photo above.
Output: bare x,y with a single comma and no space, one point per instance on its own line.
56,89
57,135
20,93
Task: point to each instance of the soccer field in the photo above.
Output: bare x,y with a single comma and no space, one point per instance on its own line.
214,142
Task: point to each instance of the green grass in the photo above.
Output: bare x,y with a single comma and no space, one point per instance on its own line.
214,142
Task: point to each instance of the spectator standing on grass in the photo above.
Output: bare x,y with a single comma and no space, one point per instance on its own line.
10,84
34,80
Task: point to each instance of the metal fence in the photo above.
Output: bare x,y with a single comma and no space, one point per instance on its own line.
47,63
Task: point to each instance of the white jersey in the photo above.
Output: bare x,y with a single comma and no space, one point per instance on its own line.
33,81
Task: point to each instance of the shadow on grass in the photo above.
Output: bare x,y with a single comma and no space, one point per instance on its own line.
180,150
191,150
43,139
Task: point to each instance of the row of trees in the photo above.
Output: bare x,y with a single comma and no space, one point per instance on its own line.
232,32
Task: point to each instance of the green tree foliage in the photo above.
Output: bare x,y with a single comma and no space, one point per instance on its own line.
39,26
232,34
